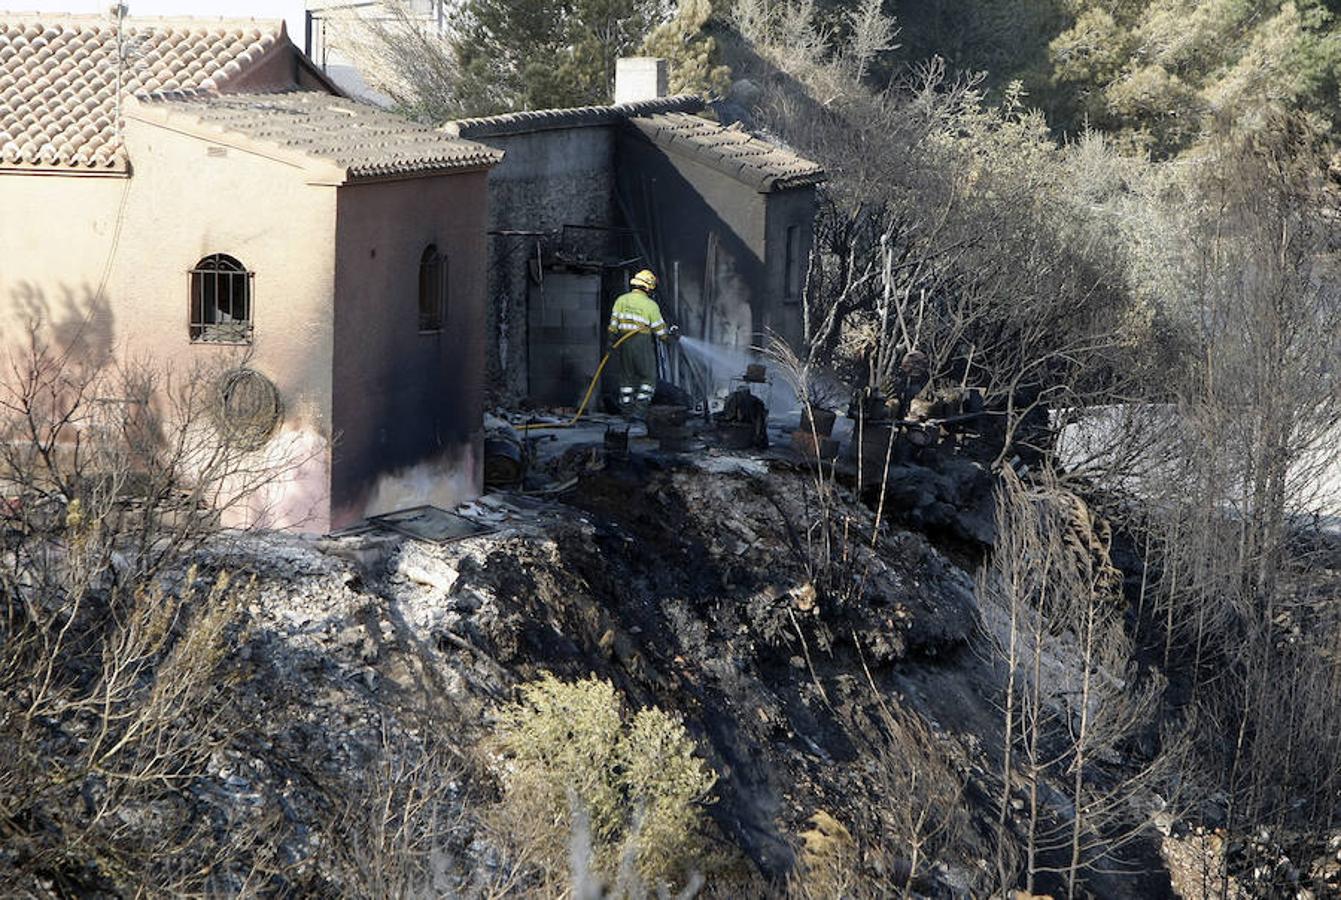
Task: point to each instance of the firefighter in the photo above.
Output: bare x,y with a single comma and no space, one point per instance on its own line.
636,319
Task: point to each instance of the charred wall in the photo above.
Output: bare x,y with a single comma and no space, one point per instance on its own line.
548,179
707,225
407,405
790,234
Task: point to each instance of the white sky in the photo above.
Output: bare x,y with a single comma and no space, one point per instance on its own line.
289,10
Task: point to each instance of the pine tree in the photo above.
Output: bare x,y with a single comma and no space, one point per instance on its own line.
498,45
1158,72
690,52
535,54
1156,75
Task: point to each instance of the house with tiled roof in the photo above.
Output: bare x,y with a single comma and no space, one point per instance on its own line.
198,193
585,197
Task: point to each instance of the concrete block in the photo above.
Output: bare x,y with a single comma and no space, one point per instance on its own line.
581,318
547,334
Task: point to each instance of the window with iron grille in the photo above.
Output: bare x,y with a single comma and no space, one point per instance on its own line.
221,301
432,289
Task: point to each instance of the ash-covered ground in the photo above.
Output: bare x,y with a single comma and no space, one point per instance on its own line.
833,658
703,587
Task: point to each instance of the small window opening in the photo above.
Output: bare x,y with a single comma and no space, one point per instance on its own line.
221,301
792,288
432,289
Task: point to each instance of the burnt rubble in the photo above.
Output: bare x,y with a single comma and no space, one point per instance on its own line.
684,586
694,581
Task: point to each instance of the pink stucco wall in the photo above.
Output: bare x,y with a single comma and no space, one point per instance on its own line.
57,239
188,202
407,410
376,415
103,263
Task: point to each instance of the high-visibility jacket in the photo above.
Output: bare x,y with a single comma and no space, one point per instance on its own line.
635,311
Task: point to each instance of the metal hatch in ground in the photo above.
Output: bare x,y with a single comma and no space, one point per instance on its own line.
428,523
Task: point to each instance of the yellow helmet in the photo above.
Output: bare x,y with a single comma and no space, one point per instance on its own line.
645,280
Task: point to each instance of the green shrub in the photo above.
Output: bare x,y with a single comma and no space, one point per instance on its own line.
571,751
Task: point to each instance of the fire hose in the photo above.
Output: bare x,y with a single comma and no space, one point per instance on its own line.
581,410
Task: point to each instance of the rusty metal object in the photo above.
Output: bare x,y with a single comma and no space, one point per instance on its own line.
429,523
871,445
743,422
664,418
249,408
804,442
821,421
617,441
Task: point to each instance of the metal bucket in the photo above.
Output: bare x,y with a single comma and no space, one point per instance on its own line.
504,463
663,419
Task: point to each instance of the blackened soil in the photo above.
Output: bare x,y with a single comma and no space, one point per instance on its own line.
703,595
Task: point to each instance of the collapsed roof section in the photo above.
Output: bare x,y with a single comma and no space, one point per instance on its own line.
63,78
333,139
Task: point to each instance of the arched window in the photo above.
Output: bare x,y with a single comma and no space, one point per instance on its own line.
221,301
432,289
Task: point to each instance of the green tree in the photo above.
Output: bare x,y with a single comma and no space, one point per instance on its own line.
1006,39
536,54
1152,74
1156,72
690,51
577,759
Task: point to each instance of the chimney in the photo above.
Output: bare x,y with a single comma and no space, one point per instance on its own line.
640,78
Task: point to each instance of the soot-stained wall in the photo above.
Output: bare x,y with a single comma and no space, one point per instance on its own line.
713,226
407,405
786,262
636,206
101,263
740,254
547,179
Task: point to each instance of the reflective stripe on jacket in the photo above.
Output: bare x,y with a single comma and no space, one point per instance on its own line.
635,311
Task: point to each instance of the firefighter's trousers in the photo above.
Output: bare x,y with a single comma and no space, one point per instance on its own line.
637,374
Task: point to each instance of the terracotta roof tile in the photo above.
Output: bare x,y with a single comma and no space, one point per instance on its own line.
731,150
365,141
58,78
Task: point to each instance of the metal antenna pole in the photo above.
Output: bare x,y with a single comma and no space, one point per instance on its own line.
119,12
